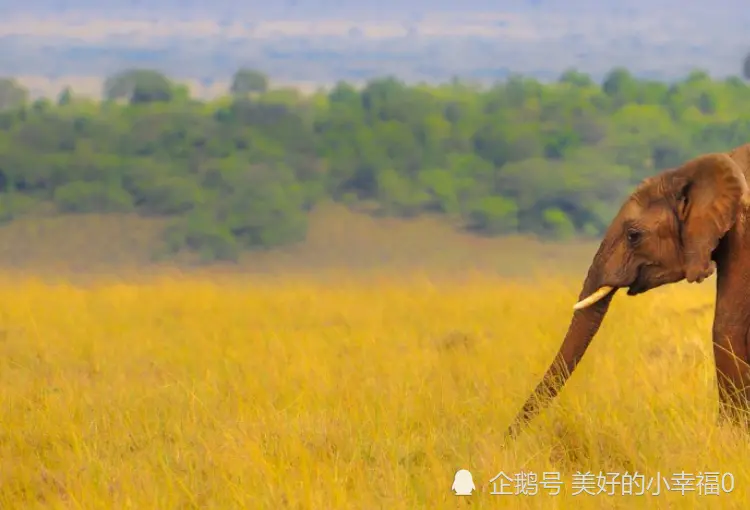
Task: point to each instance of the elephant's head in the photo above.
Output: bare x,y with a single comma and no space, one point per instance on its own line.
666,231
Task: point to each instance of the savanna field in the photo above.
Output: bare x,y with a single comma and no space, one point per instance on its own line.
221,391
339,300
359,370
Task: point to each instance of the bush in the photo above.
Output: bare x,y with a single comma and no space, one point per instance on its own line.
89,197
169,195
494,215
557,224
14,205
201,233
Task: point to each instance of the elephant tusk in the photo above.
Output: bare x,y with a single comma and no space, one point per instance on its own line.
593,298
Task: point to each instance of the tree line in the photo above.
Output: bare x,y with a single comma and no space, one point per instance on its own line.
241,172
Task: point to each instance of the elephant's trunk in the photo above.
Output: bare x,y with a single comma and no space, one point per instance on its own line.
584,325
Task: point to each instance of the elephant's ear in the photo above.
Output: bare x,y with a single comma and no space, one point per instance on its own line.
707,192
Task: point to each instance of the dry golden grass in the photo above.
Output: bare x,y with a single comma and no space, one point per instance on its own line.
232,392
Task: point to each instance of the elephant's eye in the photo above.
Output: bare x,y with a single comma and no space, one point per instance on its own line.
634,236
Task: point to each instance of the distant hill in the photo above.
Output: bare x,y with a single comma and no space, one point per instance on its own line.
322,41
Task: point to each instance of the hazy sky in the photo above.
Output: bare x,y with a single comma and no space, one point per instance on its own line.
314,8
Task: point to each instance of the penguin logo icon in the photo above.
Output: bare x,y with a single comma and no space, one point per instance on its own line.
463,483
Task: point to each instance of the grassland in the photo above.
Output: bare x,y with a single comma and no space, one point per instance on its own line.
338,239
238,392
361,370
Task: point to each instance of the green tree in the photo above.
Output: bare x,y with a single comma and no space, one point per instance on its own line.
241,173
246,81
12,94
65,97
138,86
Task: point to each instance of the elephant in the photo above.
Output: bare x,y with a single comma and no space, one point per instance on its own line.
684,223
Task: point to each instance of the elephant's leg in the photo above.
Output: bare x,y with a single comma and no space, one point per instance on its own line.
732,373
730,342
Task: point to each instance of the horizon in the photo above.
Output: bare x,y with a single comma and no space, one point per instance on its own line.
317,43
